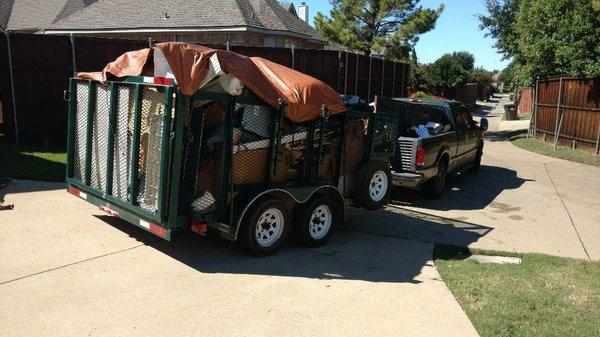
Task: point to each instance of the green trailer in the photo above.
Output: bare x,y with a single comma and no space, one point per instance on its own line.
142,151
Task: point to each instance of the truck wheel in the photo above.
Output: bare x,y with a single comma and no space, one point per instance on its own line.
373,187
317,221
265,228
437,184
477,160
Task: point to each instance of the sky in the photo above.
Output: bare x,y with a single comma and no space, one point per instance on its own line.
456,30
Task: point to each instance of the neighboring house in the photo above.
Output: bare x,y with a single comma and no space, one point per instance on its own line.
239,22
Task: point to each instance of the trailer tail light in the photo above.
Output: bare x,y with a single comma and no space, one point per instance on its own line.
420,160
109,211
199,227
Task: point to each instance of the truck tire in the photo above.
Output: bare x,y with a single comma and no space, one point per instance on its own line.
477,160
265,228
437,185
374,185
316,221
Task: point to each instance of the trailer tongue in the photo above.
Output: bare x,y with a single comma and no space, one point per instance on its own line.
226,155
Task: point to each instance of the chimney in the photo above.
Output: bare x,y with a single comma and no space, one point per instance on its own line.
303,11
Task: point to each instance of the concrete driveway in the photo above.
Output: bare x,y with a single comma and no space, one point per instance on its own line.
67,270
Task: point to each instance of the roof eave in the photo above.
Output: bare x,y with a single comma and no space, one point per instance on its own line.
94,31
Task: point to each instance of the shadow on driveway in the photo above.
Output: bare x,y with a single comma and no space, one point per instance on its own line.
470,191
371,252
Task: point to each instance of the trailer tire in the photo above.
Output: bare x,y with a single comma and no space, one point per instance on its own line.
374,185
317,220
266,227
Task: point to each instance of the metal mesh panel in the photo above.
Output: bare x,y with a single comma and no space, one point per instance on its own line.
122,143
79,141
385,135
204,152
251,145
354,140
100,138
153,112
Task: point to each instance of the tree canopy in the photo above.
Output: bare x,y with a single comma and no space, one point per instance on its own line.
388,27
450,70
544,38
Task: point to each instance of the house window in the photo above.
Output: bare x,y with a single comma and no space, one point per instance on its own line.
278,42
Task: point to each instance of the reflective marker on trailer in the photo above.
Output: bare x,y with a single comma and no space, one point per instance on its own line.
77,193
155,229
159,80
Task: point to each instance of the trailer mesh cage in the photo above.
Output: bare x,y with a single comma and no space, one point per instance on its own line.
118,132
163,158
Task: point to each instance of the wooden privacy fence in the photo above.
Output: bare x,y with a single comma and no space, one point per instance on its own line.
42,64
570,108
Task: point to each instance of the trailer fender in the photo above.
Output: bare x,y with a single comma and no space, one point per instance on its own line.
291,196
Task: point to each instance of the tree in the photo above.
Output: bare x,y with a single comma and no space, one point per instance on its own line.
466,59
480,76
545,38
446,72
500,23
558,37
389,27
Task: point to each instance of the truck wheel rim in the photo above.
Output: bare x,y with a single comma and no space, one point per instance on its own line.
269,227
320,222
378,186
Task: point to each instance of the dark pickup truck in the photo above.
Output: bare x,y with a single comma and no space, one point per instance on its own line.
455,145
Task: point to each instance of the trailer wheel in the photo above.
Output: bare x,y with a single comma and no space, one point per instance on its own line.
316,221
373,187
265,228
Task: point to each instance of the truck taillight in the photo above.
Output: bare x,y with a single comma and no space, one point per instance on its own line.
420,160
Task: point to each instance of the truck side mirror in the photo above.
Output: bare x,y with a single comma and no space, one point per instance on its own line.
483,125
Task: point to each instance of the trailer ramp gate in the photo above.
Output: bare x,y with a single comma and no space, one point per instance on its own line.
116,133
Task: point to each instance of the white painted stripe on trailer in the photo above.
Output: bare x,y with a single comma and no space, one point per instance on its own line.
144,224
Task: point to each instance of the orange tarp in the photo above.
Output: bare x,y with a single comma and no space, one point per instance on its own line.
268,80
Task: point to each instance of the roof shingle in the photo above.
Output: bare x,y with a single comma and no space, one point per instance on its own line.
160,14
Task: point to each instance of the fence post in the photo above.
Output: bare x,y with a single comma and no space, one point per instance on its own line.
560,89
394,81
370,65
402,81
559,127
356,77
382,74
12,86
346,75
532,121
73,53
598,140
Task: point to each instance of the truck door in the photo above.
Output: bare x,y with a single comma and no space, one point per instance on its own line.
467,140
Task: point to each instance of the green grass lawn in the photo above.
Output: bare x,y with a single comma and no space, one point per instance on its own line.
23,162
543,296
520,139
